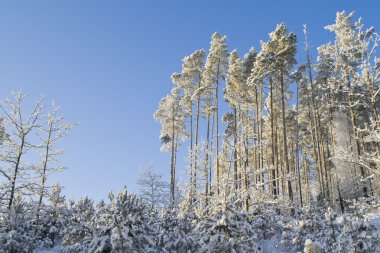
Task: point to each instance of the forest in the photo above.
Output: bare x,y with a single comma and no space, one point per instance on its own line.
282,156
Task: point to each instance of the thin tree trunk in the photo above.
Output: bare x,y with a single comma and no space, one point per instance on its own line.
235,151
172,161
297,150
306,177
217,128
289,184
340,196
254,151
197,134
43,176
206,162
314,112
325,165
246,176
355,135
15,174
260,132
193,174
257,139
277,159
275,192
211,146
175,163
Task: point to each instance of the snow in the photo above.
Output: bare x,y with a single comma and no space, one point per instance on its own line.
269,246
374,218
56,249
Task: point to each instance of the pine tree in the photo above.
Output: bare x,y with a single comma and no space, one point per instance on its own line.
234,95
214,73
350,52
281,49
190,80
171,115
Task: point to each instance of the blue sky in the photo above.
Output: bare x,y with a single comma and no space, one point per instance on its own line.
108,63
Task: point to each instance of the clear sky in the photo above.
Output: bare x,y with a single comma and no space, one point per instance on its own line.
108,63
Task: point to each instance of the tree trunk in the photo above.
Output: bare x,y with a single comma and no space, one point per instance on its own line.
235,151
355,135
15,174
206,162
277,158
191,151
314,117
197,134
217,128
43,176
172,161
275,192
285,144
297,151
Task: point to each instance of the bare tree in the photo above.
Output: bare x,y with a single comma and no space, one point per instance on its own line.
19,126
52,131
153,188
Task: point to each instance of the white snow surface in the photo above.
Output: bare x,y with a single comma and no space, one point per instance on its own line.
269,246
56,249
374,218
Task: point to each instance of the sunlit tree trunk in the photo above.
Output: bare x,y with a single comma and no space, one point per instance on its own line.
285,142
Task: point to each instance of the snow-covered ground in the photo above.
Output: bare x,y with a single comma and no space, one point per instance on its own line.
374,218
269,246
56,249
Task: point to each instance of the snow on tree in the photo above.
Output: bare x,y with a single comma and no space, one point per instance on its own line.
78,232
175,232
216,68
15,233
129,228
153,188
54,130
190,80
316,156
172,116
226,232
20,126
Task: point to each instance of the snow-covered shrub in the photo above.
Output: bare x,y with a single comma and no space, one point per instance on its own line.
16,234
121,226
101,242
327,232
312,247
130,229
226,232
175,232
357,235
78,231
51,219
